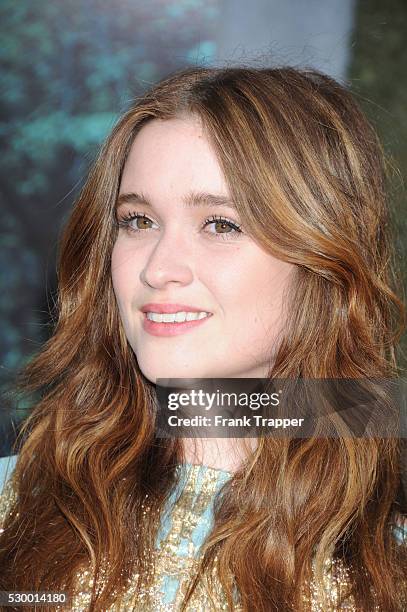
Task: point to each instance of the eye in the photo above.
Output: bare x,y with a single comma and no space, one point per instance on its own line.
222,227
142,222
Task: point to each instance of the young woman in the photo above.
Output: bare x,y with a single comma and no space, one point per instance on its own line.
254,198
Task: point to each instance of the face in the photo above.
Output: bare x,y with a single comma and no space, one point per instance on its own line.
182,253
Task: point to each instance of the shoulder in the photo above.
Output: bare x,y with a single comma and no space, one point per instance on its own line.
7,465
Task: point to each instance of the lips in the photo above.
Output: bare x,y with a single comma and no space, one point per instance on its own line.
174,328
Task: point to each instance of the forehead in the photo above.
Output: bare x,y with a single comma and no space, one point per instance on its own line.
175,154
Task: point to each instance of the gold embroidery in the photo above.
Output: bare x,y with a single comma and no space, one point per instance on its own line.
7,500
166,564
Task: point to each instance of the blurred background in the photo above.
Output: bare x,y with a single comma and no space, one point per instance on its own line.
70,68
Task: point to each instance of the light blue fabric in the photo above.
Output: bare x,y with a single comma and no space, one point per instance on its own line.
7,465
206,521
169,584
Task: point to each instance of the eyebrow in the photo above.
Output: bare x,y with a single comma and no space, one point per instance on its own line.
191,199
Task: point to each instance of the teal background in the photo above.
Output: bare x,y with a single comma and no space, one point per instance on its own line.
68,70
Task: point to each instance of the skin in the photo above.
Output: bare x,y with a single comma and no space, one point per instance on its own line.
175,260
178,259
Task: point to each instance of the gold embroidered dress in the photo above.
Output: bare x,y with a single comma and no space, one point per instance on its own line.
185,523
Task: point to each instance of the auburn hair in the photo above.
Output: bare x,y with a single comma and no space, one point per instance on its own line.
307,174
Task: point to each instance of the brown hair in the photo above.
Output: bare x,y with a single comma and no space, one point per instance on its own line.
306,172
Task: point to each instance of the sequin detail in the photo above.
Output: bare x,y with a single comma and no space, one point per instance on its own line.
7,500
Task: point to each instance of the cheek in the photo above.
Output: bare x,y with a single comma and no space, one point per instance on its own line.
259,298
271,306
123,274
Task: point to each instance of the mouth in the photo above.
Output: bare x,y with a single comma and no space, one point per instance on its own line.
159,323
176,317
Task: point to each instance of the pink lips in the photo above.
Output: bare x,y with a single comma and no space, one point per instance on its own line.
170,329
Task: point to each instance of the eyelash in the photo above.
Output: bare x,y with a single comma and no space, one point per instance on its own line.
127,219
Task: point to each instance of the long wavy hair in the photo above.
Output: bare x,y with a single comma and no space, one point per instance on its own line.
306,172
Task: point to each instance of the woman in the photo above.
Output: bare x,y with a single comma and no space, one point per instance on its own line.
256,199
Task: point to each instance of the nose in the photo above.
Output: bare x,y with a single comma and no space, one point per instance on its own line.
169,262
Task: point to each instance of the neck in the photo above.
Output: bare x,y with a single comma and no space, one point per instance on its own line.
220,453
